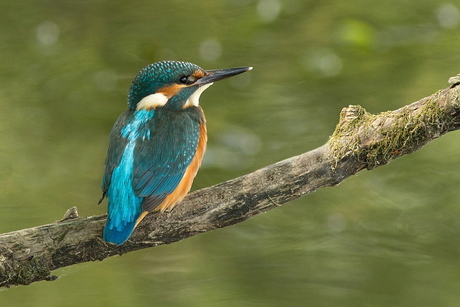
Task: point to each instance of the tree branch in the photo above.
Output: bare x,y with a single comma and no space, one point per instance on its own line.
360,140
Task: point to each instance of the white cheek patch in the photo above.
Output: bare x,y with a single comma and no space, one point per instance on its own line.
152,101
193,101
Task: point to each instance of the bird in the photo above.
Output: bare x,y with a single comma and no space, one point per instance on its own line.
156,146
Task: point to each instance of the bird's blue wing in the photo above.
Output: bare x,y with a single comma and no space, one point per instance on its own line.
161,160
149,152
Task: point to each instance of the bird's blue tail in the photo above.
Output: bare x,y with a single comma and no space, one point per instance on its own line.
116,231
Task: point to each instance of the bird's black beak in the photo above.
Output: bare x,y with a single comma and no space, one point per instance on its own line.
219,74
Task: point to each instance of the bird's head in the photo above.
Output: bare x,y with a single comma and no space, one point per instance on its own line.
173,84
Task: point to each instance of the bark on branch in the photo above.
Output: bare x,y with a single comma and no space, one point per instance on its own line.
360,140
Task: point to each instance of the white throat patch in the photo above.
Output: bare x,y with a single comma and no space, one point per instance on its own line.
193,101
159,99
152,101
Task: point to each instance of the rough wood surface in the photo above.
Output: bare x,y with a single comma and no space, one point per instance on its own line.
361,140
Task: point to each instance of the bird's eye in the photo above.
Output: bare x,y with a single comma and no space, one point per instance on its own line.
187,80
183,80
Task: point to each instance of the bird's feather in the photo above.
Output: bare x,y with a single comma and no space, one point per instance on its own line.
117,145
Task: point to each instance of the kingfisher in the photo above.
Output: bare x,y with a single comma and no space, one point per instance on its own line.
156,146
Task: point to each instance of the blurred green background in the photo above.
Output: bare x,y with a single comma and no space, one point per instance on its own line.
390,237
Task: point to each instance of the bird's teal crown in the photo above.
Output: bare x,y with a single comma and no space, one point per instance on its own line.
159,75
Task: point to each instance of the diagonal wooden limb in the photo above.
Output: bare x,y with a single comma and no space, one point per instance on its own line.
360,140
